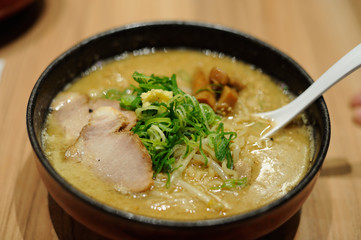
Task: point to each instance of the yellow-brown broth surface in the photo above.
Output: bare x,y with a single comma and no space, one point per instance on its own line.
277,166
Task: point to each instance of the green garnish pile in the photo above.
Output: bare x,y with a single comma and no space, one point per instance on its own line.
180,121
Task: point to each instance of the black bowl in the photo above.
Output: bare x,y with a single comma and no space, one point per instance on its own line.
115,223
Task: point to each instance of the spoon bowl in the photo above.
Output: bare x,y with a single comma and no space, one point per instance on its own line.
280,117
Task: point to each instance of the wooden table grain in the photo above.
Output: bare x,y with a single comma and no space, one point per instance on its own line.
316,33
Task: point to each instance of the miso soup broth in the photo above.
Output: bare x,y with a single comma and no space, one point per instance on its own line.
261,170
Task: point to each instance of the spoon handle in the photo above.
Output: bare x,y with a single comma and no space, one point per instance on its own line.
347,64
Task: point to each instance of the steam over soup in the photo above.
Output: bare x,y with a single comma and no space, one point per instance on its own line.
184,146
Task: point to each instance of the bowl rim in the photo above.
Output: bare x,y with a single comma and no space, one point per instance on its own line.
157,221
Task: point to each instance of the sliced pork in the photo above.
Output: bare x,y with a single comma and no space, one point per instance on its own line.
101,102
72,112
117,156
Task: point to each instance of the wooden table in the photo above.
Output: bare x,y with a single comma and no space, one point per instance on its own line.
315,33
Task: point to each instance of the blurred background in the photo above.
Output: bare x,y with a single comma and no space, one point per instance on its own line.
315,33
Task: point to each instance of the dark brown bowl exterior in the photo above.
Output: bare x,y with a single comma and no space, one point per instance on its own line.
118,224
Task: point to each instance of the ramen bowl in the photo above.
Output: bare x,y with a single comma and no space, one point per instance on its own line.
115,223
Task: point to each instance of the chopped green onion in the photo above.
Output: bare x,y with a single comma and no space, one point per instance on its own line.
182,120
232,183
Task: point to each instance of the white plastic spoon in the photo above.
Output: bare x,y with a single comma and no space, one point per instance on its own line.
280,117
